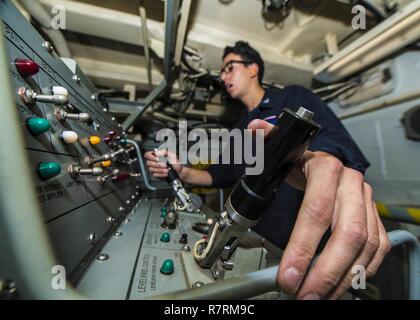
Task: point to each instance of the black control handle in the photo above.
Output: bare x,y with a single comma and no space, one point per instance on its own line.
283,148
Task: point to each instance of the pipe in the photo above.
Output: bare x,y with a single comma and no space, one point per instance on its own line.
142,165
143,19
394,33
382,104
399,213
26,254
44,19
221,199
241,287
399,237
263,281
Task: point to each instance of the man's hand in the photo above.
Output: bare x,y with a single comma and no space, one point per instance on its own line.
336,197
156,164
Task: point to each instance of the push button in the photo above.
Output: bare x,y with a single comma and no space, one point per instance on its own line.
165,237
167,267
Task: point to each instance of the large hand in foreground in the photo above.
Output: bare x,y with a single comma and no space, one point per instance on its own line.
336,197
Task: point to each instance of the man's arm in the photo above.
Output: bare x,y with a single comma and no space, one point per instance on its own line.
189,175
336,197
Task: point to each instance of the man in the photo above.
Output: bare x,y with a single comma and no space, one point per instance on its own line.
336,197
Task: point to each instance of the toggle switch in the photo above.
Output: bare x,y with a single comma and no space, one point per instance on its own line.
63,115
75,171
29,96
107,156
26,67
48,170
107,139
94,140
56,90
184,238
37,126
104,178
69,137
106,164
121,177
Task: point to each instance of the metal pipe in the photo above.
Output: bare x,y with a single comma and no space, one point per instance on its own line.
44,19
26,255
399,237
146,104
143,18
182,29
171,19
394,33
382,104
142,165
221,199
263,281
241,287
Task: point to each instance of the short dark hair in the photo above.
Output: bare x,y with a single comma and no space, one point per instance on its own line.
247,53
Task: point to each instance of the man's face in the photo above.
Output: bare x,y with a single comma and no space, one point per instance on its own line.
236,75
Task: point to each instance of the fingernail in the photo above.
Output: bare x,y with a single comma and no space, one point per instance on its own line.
311,296
291,280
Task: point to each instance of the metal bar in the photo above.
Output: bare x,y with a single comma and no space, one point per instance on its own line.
171,17
147,103
263,281
241,287
399,237
26,255
145,32
142,165
182,29
123,106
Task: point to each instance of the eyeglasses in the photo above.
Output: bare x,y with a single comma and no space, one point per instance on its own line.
229,66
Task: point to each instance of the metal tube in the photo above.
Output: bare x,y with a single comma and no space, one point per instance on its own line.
142,165
171,19
263,281
147,103
26,255
39,14
241,287
143,19
399,237
182,29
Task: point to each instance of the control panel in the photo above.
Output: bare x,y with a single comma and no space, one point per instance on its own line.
80,161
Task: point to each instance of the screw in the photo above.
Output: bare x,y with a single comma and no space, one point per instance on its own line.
92,238
110,219
76,78
48,46
103,257
118,233
198,284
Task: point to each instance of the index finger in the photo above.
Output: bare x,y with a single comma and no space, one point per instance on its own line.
314,218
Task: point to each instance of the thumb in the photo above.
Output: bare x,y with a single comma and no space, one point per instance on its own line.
262,125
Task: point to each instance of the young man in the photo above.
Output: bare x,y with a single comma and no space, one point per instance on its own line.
336,196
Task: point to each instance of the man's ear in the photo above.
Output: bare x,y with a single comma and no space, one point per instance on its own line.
253,70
